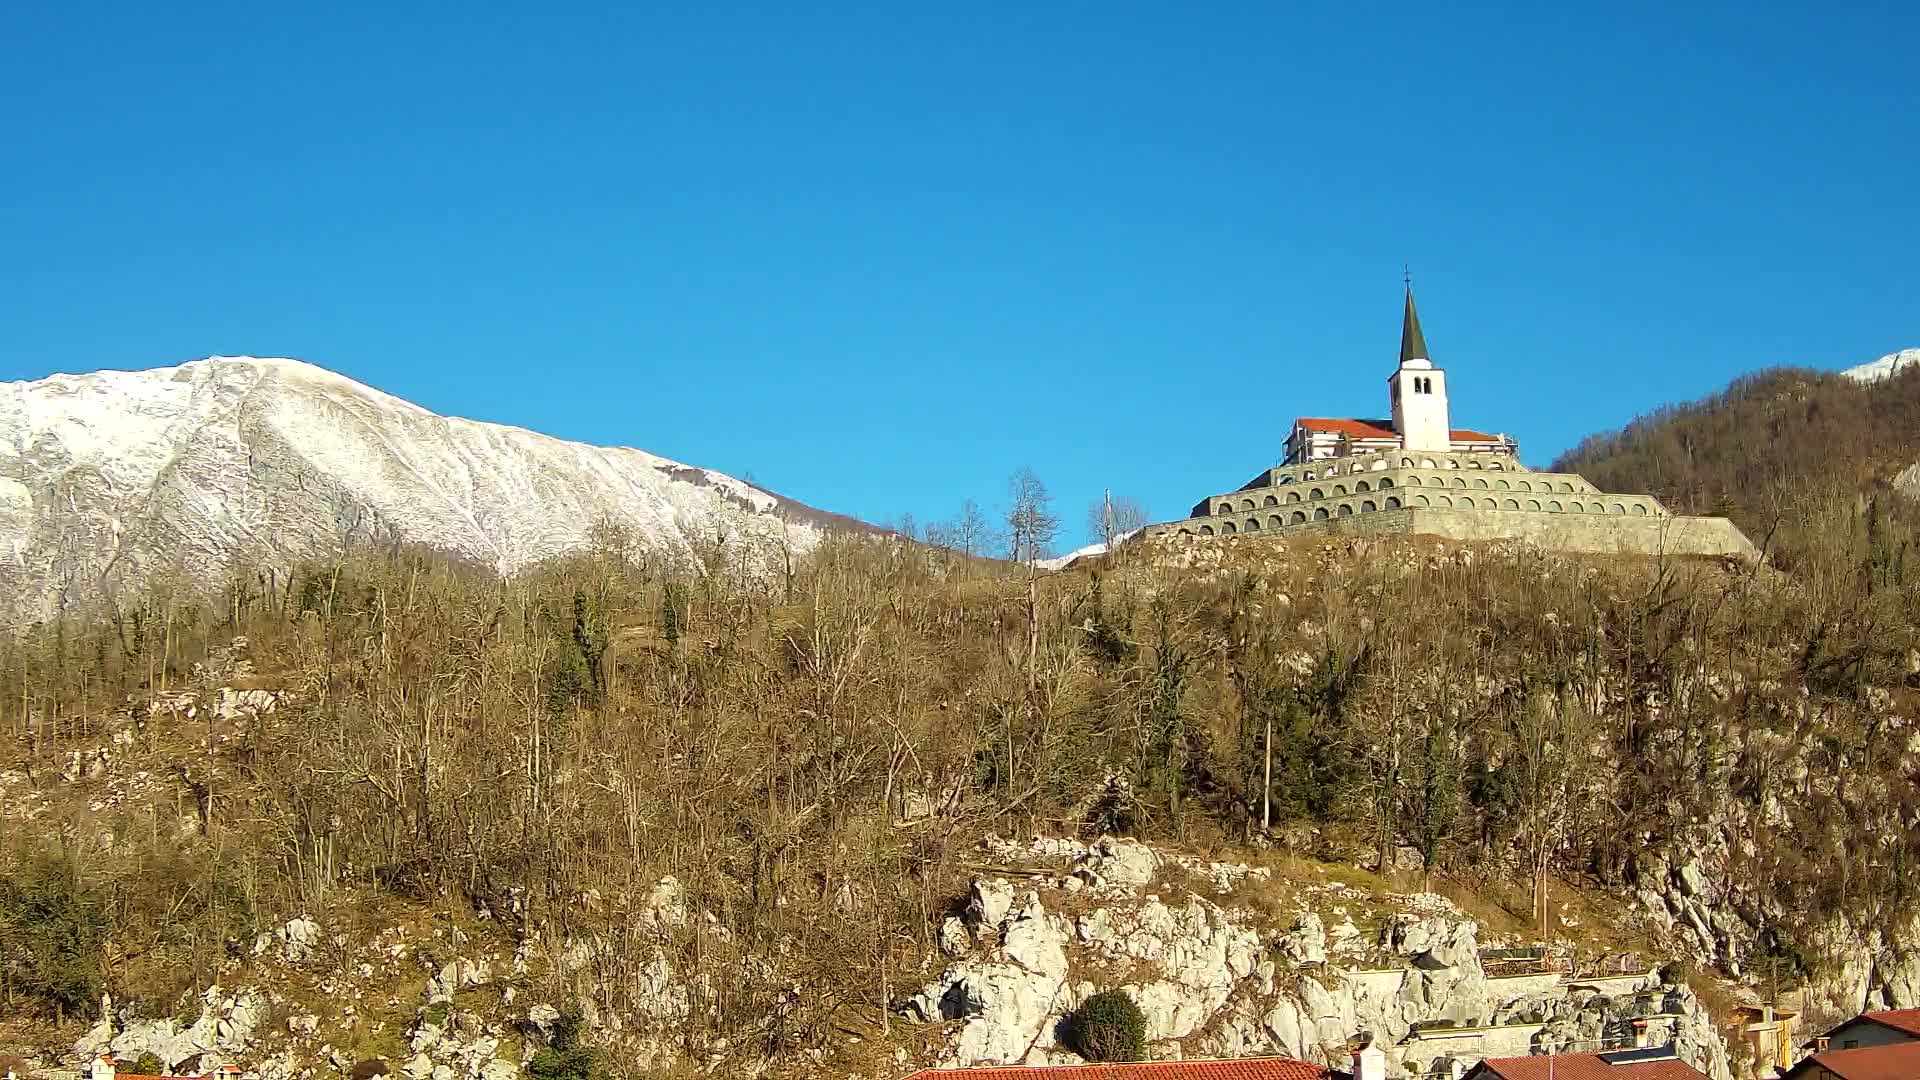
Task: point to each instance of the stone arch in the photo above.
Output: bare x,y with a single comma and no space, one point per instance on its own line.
1274,521
1565,486
1452,464
1427,463
1503,485
1228,528
1495,466
1393,502
1640,508
1406,463
1284,478
1206,530
1480,482
1226,508
1186,532
1459,481
1293,496
1271,500
1346,510
1253,525
1307,476
1445,500
1489,504
1524,486
1317,494
1339,489
1413,481
1386,482
1533,504
1246,504
1619,508
1367,507
1362,486
1379,464
1422,500
1555,506
1299,518
1475,465
1320,514
1511,504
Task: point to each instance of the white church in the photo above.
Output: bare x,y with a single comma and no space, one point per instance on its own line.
1417,398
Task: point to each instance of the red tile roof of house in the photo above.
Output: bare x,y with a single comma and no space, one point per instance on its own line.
1234,1069
1377,429
1587,1067
1895,1061
1907,1020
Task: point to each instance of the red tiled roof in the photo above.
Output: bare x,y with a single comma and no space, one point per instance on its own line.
1377,429
1358,429
1587,1067
1236,1069
1907,1020
1895,1061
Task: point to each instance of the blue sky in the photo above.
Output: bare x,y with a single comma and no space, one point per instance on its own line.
880,256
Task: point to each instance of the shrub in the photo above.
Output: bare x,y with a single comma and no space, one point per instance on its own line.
1108,1027
565,1058
51,932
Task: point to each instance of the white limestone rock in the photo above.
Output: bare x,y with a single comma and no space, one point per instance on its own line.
992,899
298,938
1011,1001
953,938
543,1017
1118,864
1306,941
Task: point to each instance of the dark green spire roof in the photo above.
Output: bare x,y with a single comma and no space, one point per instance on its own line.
1413,344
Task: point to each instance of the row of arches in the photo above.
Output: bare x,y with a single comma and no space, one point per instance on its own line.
1227,508
1253,524
1380,462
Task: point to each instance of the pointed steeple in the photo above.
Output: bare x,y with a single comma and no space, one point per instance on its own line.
1413,344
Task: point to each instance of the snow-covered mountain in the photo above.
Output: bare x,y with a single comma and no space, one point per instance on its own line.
1884,367
117,478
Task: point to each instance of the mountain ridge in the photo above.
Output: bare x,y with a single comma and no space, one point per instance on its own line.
116,477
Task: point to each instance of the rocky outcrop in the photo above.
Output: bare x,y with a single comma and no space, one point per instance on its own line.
225,1027
1009,1001
1217,980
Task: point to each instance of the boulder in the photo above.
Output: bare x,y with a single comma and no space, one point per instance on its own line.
1118,864
954,940
992,899
1306,941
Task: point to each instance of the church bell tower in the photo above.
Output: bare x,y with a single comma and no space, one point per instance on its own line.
1418,390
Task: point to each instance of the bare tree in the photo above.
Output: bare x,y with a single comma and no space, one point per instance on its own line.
1031,522
1113,517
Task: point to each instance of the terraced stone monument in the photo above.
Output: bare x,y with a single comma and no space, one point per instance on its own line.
1414,473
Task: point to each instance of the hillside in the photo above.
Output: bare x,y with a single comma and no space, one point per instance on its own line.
1786,453
848,820
177,475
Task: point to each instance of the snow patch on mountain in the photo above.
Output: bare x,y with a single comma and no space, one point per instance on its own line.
1885,367
112,479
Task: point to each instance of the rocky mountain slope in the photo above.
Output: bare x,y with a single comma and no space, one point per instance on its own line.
115,479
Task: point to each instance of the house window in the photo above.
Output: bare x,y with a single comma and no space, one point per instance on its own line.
1849,1044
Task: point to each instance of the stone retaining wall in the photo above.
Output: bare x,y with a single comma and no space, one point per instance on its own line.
1588,532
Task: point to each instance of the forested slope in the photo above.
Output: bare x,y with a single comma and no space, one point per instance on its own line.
814,755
